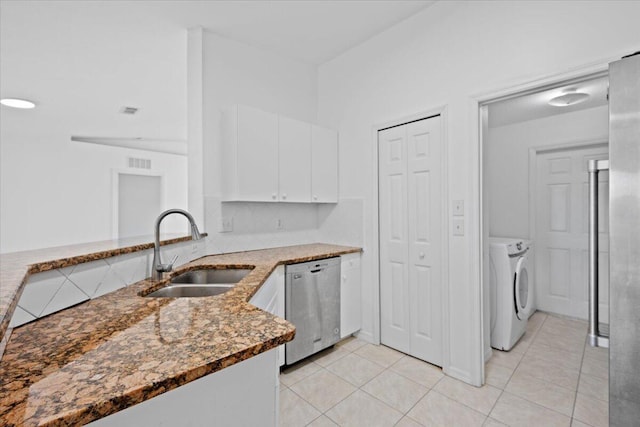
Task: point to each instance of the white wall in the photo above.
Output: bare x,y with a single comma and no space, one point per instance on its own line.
237,73
446,55
81,62
507,165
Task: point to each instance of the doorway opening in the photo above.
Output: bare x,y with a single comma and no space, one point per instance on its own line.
533,189
138,199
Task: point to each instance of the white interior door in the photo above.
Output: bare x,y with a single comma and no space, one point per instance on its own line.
394,240
561,240
411,238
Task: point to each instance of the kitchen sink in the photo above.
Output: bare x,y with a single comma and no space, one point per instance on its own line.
185,290
201,283
211,276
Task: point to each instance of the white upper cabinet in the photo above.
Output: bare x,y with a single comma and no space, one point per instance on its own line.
272,158
294,149
250,155
324,165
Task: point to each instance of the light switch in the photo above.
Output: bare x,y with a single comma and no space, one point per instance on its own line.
458,207
458,227
226,225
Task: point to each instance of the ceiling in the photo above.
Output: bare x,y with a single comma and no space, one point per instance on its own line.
536,105
313,31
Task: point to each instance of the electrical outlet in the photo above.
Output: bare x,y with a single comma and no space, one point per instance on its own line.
458,227
458,207
226,225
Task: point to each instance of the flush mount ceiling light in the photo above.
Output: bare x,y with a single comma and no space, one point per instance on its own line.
570,98
17,103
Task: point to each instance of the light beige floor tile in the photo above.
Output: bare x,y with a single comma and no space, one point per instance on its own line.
595,368
328,356
294,411
436,409
535,321
395,390
355,369
594,412
481,399
361,409
564,322
379,354
295,373
568,343
515,411
322,421
550,372
408,422
598,354
576,423
351,343
416,370
496,375
541,392
594,387
564,359
524,342
490,422
507,359
323,389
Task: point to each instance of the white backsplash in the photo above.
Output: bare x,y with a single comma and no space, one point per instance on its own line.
55,290
256,226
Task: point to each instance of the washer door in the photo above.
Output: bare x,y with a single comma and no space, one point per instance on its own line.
522,298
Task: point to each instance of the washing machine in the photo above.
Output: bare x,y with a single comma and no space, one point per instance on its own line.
510,290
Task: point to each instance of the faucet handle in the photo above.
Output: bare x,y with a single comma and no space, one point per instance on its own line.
165,268
173,261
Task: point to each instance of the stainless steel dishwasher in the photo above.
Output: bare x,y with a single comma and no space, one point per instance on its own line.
312,304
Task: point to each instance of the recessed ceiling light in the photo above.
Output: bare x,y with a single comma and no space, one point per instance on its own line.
571,98
17,103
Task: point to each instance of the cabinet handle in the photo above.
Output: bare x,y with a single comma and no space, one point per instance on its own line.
284,196
315,197
273,196
421,255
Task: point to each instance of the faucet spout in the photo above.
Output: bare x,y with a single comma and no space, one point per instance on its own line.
158,266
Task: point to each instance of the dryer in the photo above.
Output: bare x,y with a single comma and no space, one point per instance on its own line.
511,293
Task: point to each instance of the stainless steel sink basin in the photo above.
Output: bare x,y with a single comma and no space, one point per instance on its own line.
211,276
183,290
201,283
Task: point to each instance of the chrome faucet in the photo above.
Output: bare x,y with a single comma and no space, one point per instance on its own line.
158,266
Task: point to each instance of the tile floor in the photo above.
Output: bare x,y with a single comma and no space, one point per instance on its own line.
551,378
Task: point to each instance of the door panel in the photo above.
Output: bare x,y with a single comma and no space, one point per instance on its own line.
410,221
561,239
394,302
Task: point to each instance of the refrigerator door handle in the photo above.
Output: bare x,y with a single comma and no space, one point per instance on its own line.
595,338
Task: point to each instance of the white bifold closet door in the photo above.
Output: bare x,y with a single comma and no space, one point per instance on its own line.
410,221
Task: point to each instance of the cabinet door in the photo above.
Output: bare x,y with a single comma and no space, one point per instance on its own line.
257,155
324,165
350,300
294,148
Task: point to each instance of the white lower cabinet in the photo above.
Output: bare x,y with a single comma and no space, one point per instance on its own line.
350,295
270,298
218,399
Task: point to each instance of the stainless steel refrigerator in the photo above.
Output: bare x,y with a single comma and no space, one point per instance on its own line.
624,244
624,262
